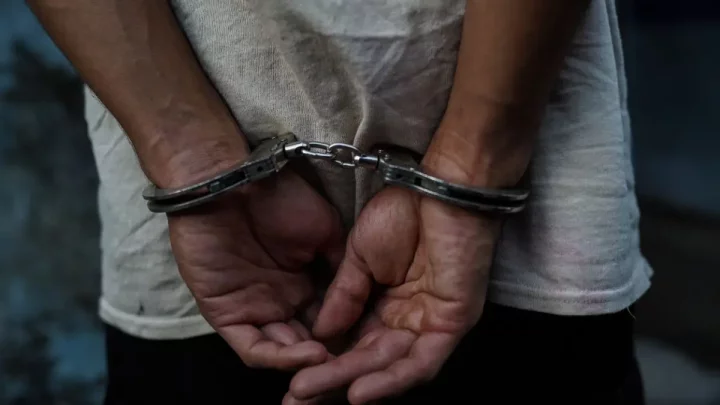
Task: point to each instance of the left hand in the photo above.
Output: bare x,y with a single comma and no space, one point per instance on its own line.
248,258
433,259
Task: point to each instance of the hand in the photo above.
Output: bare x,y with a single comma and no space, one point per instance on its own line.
434,260
246,258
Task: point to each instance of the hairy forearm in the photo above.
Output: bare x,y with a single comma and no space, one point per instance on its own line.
135,57
510,55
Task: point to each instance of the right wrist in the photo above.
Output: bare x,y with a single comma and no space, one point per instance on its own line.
184,158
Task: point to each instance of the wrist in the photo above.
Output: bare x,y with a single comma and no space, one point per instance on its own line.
191,154
482,145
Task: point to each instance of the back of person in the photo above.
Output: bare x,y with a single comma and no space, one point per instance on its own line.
376,73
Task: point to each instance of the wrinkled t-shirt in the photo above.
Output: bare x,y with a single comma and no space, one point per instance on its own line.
379,72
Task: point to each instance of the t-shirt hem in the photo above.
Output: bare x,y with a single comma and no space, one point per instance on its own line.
572,302
154,328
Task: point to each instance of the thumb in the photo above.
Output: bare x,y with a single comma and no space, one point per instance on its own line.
346,297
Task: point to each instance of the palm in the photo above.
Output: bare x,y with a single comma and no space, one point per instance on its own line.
245,258
434,260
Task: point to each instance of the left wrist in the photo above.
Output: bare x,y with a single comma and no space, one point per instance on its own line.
482,147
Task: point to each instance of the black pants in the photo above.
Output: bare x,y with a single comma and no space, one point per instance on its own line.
511,356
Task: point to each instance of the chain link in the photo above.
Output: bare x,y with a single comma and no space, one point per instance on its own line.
316,150
340,154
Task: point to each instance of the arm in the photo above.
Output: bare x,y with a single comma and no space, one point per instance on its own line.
243,256
137,60
510,55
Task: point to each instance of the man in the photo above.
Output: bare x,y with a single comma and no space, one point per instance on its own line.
490,92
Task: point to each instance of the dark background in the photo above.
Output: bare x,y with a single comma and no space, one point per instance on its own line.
51,348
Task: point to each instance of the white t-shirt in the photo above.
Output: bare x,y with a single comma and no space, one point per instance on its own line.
377,72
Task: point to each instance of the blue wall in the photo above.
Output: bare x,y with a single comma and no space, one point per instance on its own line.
51,346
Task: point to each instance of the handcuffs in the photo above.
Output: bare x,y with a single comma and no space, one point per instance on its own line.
272,154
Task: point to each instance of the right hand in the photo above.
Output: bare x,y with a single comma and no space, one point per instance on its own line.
431,261
245,258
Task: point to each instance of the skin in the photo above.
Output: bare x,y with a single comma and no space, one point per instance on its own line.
434,260
246,257
248,261
431,260
138,62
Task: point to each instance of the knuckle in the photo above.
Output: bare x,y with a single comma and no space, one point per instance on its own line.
252,361
351,291
249,361
428,371
299,387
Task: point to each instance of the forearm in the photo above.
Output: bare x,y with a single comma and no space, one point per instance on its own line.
135,57
510,54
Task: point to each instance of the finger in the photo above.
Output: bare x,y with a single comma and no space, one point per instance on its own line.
281,333
300,329
288,399
256,350
422,364
367,339
274,355
331,398
309,316
334,247
333,345
338,373
371,325
346,297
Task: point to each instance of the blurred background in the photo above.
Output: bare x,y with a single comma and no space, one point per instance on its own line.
51,346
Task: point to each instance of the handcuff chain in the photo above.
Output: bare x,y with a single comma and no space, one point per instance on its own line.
271,155
340,154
